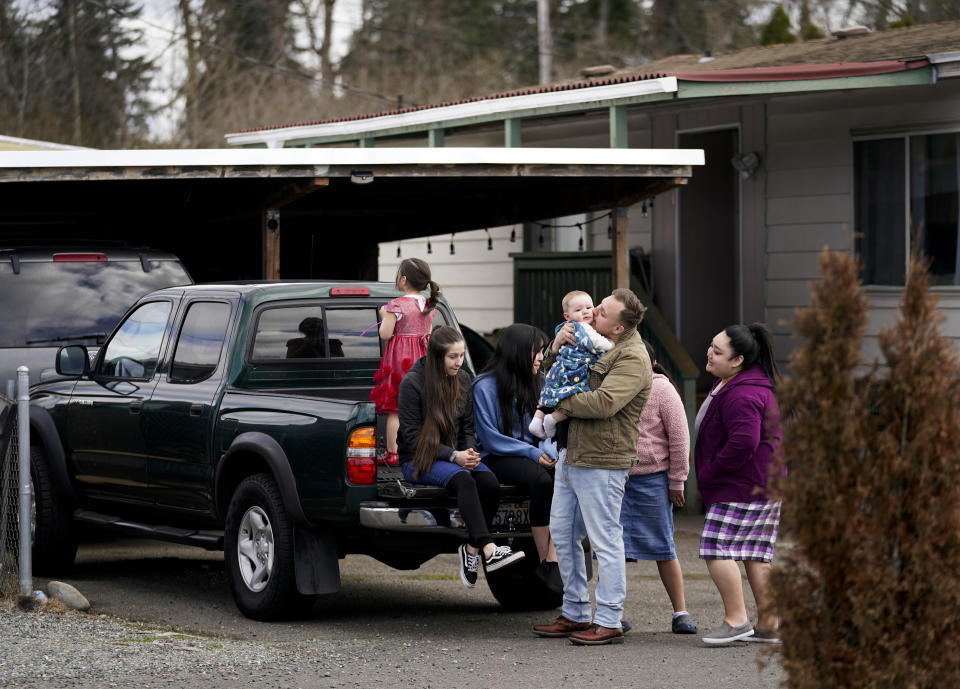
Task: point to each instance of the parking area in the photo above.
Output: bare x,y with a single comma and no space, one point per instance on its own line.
385,628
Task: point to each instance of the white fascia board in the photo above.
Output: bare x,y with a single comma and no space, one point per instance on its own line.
488,107
939,58
323,158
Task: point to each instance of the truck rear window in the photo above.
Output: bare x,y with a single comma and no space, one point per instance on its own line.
316,332
47,304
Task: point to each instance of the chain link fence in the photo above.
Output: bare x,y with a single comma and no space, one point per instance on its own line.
9,499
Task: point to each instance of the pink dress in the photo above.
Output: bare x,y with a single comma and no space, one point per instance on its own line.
409,343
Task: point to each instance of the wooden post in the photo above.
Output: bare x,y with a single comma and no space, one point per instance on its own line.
271,244
620,249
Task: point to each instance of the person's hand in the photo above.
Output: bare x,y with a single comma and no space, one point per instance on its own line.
545,461
564,336
468,459
676,497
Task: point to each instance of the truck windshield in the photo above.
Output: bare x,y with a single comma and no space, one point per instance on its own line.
48,304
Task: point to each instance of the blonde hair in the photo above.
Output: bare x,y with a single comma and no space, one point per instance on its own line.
570,295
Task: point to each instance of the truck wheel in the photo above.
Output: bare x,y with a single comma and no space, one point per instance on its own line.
51,521
518,587
258,545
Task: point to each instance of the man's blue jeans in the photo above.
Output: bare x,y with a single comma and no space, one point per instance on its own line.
587,502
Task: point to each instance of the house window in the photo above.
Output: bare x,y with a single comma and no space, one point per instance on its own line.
905,191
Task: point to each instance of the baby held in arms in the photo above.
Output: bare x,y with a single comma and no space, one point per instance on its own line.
569,373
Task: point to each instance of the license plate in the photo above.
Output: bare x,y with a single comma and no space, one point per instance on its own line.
512,516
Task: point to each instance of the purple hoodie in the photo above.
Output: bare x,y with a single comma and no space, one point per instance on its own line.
737,440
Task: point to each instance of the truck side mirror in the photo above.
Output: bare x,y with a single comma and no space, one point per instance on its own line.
73,360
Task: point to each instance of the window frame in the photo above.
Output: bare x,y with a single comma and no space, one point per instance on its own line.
164,340
185,307
324,305
904,134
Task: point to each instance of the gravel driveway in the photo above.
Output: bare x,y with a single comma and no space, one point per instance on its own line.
162,616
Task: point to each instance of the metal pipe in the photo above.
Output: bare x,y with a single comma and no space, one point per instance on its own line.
23,430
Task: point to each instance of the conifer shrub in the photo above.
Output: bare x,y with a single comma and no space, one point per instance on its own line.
870,595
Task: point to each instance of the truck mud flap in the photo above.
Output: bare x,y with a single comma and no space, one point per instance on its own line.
316,565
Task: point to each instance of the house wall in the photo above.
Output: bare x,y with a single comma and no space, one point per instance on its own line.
479,283
809,192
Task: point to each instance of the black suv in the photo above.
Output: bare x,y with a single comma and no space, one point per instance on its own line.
66,294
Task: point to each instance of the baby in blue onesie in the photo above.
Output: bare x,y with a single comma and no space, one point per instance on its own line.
569,374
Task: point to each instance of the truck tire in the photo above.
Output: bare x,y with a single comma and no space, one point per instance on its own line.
259,550
518,587
53,530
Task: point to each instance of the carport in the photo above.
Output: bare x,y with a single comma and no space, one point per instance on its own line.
316,212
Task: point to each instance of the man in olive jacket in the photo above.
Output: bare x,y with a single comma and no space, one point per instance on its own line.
590,478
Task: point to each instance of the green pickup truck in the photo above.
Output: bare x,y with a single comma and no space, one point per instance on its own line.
237,417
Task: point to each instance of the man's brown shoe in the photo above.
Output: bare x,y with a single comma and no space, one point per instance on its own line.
561,628
597,636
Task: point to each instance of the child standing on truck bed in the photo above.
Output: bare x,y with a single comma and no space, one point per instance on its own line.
569,373
405,326
436,446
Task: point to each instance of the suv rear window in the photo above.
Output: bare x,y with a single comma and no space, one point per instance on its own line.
51,303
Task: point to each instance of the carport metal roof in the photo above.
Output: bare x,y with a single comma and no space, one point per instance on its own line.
355,197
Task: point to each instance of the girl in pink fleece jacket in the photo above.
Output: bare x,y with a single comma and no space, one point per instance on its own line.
655,486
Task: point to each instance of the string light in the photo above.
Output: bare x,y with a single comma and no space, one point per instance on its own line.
580,244
452,249
398,250
513,234
643,209
429,248
489,239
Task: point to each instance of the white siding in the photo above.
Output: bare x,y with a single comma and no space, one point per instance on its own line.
809,193
476,281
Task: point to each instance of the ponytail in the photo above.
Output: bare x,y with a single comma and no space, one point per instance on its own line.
433,298
755,344
417,273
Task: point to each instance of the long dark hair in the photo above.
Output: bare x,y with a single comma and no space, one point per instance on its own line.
417,272
657,368
755,344
511,365
441,392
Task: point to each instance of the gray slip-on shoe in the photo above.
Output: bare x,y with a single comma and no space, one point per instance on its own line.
725,634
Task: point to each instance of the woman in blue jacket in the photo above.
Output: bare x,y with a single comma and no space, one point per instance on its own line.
738,432
504,400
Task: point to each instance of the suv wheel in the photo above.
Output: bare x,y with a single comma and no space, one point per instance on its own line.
518,587
258,544
51,521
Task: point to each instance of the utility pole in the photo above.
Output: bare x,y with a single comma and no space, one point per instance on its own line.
544,41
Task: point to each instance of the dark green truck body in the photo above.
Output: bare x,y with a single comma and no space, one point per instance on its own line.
229,409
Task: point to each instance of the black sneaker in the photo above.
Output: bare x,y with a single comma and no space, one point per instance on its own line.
549,572
502,556
469,564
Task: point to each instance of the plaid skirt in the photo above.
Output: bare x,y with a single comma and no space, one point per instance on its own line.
740,531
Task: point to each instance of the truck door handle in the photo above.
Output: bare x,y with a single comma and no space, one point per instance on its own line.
196,409
136,406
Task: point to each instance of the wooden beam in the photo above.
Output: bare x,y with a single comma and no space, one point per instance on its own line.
270,231
620,270
295,191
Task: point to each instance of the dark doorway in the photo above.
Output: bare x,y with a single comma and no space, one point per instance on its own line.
709,218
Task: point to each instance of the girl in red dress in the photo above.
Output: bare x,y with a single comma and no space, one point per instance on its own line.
405,326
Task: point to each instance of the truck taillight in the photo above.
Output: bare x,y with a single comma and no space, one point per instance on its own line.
361,456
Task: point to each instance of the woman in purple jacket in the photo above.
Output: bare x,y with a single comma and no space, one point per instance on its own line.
738,432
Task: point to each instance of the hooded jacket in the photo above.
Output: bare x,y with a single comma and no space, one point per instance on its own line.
411,405
738,436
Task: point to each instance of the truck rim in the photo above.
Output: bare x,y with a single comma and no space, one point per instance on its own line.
255,549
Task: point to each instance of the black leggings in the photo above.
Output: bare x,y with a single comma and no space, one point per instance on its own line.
536,479
478,496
